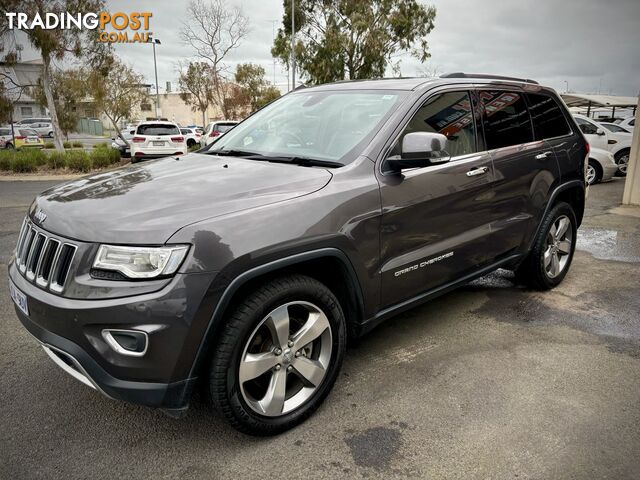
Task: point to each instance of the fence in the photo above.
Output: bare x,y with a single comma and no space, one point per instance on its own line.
91,126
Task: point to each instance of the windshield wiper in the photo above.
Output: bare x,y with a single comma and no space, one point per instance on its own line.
304,161
235,153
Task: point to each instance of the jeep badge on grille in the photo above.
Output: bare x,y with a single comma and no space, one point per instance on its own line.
40,216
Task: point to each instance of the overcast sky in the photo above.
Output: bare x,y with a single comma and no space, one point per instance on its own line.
593,45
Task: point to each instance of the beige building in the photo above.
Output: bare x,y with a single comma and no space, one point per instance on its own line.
174,109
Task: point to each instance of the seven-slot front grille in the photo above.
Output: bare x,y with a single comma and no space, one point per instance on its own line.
42,258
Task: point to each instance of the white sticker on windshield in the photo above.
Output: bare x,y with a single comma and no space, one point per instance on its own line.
387,97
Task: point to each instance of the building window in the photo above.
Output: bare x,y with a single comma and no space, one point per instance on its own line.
26,111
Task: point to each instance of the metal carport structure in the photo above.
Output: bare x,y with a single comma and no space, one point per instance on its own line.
589,100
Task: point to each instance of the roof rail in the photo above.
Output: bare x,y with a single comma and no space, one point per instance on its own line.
482,75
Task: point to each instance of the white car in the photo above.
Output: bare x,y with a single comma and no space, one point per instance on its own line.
628,123
215,130
614,127
602,166
44,129
599,137
157,139
191,135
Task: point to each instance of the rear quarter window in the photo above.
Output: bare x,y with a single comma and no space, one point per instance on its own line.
547,116
158,129
224,127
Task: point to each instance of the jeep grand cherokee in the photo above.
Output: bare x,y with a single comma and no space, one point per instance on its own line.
247,268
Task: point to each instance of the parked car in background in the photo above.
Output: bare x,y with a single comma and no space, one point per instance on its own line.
44,129
156,139
122,146
602,166
31,121
599,137
191,135
628,123
27,138
215,130
6,139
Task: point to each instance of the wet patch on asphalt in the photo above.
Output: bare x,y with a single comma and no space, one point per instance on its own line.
375,447
607,244
588,312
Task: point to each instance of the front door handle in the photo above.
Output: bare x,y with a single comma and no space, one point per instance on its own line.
542,156
477,171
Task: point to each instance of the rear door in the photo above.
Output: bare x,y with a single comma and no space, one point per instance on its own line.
435,220
525,167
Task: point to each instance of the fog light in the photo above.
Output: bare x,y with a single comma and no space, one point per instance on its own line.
127,342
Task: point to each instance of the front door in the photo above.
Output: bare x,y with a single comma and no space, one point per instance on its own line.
436,220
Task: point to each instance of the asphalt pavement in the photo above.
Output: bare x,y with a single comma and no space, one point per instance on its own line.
491,381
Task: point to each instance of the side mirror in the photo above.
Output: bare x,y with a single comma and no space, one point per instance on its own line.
420,149
600,132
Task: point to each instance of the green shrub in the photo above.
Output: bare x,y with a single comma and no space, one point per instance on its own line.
100,158
77,144
101,145
78,161
57,160
6,158
49,145
31,155
114,155
66,144
194,147
23,164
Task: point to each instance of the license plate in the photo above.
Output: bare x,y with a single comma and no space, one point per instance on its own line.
158,144
19,298
32,140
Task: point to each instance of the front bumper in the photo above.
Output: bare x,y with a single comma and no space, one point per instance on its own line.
70,332
608,171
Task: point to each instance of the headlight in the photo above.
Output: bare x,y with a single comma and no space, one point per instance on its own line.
140,262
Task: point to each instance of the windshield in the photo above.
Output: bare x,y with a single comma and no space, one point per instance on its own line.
323,125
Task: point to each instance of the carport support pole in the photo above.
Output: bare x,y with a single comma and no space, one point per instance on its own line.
631,195
589,110
613,113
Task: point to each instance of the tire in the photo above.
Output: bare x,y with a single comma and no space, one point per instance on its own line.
534,270
50,135
190,143
9,146
250,332
622,159
594,172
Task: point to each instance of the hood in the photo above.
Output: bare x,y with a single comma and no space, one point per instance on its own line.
146,203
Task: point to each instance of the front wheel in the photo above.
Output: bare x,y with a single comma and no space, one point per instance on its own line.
552,252
278,355
594,172
622,159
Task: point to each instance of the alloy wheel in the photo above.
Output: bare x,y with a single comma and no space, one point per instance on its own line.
285,359
591,174
558,246
623,161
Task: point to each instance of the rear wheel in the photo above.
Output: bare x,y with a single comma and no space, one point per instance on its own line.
552,252
622,159
278,356
594,172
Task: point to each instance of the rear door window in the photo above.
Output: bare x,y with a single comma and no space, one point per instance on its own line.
28,132
506,119
547,116
158,129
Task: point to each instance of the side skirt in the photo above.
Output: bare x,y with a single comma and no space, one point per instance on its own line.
393,310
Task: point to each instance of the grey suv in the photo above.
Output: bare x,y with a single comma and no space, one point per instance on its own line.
247,268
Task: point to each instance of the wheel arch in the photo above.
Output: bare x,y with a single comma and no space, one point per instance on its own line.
331,266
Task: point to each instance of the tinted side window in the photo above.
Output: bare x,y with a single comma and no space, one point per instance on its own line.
587,128
449,114
548,119
506,119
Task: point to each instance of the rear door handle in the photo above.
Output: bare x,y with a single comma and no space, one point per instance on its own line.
542,156
477,171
